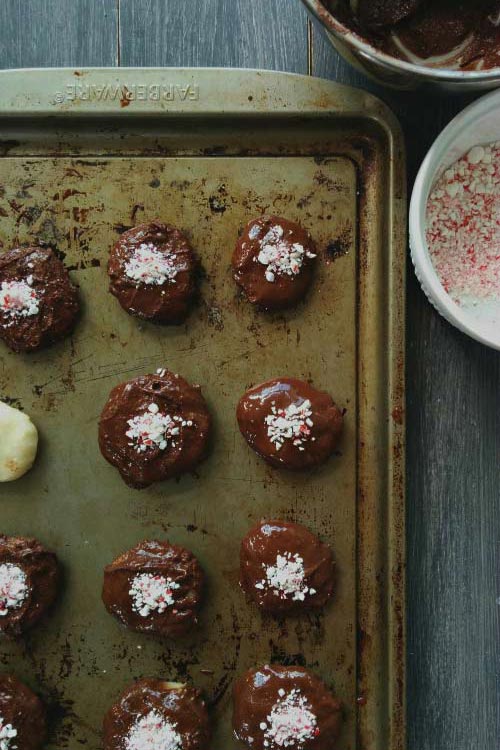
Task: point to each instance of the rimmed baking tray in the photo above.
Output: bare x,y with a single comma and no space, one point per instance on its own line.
87,153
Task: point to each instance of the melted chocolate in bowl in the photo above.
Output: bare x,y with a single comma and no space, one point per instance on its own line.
451,34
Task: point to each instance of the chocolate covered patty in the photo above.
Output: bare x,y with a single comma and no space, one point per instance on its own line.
289,423
156,587
29,581
279,707
152,272
38,302
157,715
273,262
285,568
22,716
154,427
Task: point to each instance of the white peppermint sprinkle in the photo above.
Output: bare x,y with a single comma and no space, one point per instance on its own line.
154,732
281,256
290,723
13,588
147,265
7,733
287,578
154,429
18,298
463,229
293,423
254,232
152,593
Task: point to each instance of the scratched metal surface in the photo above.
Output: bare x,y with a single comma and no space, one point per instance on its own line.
76,503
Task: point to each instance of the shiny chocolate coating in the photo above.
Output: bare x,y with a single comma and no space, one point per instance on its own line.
172,395
24,712
275,541
58,305
258,403
41,570
180,705
168,302
171,563
258,694
285,290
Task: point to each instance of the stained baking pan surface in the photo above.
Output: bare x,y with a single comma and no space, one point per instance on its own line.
86,154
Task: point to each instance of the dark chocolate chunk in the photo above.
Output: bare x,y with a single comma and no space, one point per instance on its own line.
375,13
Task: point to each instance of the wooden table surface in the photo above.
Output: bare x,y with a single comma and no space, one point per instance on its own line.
453,394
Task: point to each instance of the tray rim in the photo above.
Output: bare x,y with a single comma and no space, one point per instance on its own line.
265,93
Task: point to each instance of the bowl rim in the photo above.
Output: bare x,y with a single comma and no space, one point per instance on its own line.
424,268
368,50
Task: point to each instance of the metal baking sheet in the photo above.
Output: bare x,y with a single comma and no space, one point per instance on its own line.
85,154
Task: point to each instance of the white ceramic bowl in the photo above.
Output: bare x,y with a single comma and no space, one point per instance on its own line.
477,124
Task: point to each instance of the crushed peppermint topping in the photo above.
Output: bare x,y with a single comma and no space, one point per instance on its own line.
293,423
13,588
147,265
7,733
153,732
19,299
287,578
154,429
463,226
281,256
290,723
152,592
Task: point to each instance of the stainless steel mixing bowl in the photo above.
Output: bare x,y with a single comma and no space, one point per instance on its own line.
398,73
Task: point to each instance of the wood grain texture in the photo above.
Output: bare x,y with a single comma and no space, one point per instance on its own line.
453,490
236,33
51,33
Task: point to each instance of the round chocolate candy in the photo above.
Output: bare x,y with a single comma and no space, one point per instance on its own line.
289,423
155,587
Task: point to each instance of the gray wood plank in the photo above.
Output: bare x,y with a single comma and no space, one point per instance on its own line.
453,413
51,33
239,33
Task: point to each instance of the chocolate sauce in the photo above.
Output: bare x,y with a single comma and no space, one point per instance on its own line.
449,34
